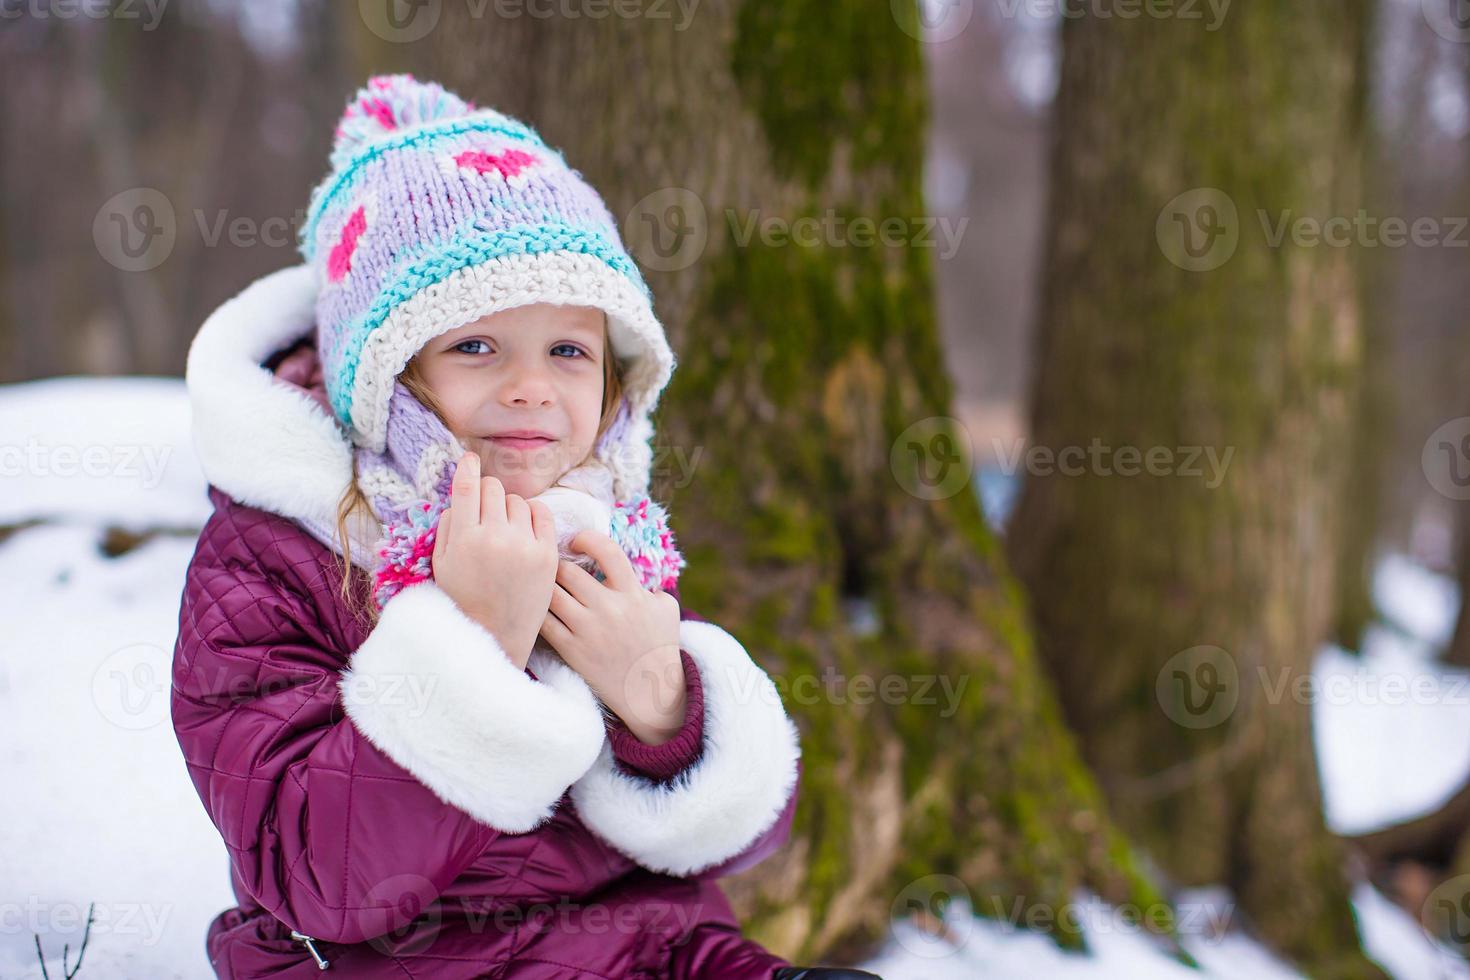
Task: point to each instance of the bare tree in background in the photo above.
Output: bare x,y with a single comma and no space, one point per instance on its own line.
1146,587
122,134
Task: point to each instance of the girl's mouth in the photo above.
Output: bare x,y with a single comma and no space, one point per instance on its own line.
521,442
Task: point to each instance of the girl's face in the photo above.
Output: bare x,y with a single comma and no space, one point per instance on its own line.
523,389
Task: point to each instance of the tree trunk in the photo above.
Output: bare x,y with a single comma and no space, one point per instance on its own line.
1458,652
1153,568
808,527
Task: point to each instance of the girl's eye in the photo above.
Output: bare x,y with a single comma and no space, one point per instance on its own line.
463,343
576,351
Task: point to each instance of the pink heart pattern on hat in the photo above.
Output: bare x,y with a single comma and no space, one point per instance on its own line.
339,262
507,166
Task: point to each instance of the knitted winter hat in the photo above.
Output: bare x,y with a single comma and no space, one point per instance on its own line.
436,213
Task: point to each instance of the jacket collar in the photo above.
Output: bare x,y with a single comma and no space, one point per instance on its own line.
266,443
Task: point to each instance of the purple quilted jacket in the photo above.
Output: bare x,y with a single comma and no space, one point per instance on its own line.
398,800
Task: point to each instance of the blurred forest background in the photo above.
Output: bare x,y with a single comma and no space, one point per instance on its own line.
156,157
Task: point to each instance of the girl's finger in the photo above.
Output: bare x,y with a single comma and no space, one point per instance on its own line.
610,558
441,536
566,606
464,492
492,501
574,579
543,525
517,512
555,632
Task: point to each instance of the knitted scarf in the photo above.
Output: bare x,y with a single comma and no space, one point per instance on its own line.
408,486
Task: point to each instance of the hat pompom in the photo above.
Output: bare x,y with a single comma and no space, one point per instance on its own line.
388,103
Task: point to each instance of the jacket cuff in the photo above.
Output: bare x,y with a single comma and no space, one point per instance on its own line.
663,762
435,692
718,806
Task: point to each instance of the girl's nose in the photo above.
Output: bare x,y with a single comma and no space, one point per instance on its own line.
528,385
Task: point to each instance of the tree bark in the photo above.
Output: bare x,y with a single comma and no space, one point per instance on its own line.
1458,651
1147,580
800,366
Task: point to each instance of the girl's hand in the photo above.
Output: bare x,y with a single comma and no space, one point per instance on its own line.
495,555
622,639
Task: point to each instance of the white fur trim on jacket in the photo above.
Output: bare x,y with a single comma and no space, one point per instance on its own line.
265,443
433,689
727,799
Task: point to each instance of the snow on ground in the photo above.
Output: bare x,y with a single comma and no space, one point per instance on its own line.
103,449
1393,725
98,807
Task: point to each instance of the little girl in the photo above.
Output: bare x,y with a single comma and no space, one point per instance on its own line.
432,681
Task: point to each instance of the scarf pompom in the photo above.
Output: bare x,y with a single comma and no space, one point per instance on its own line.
406,551
640,527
